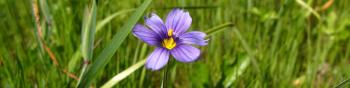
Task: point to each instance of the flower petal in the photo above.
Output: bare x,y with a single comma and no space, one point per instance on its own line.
157,59
156,24
146,35
194,37
185,53
178,20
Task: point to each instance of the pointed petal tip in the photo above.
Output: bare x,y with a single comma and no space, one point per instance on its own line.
194,37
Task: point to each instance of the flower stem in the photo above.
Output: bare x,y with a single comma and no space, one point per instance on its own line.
166,73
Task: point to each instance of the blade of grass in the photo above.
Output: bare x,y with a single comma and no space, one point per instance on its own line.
248,49
77,55
238,71
310,9
124,74
73,62
109,18
39,33
36,27
46,13
342,84
88,33
143,73
104,57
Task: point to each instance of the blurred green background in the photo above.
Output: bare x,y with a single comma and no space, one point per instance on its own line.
271,44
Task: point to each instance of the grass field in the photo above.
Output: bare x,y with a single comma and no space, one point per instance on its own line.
252,43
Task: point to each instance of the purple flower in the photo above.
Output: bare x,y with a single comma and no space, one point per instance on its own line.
170,38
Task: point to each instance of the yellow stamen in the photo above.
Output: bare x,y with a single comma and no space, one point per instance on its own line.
170,32
169,43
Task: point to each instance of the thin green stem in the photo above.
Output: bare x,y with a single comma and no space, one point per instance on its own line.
166,73
341,85
219,28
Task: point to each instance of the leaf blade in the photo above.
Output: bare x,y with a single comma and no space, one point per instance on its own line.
106,54
123,74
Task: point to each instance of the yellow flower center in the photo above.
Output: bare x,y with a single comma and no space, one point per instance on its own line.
169,42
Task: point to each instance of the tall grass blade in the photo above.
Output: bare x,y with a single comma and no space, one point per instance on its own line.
88,33
77,55
106,54
238,71
124,74
248,49
310,9
36,27
102,23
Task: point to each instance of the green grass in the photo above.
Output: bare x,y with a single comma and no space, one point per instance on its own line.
252,43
